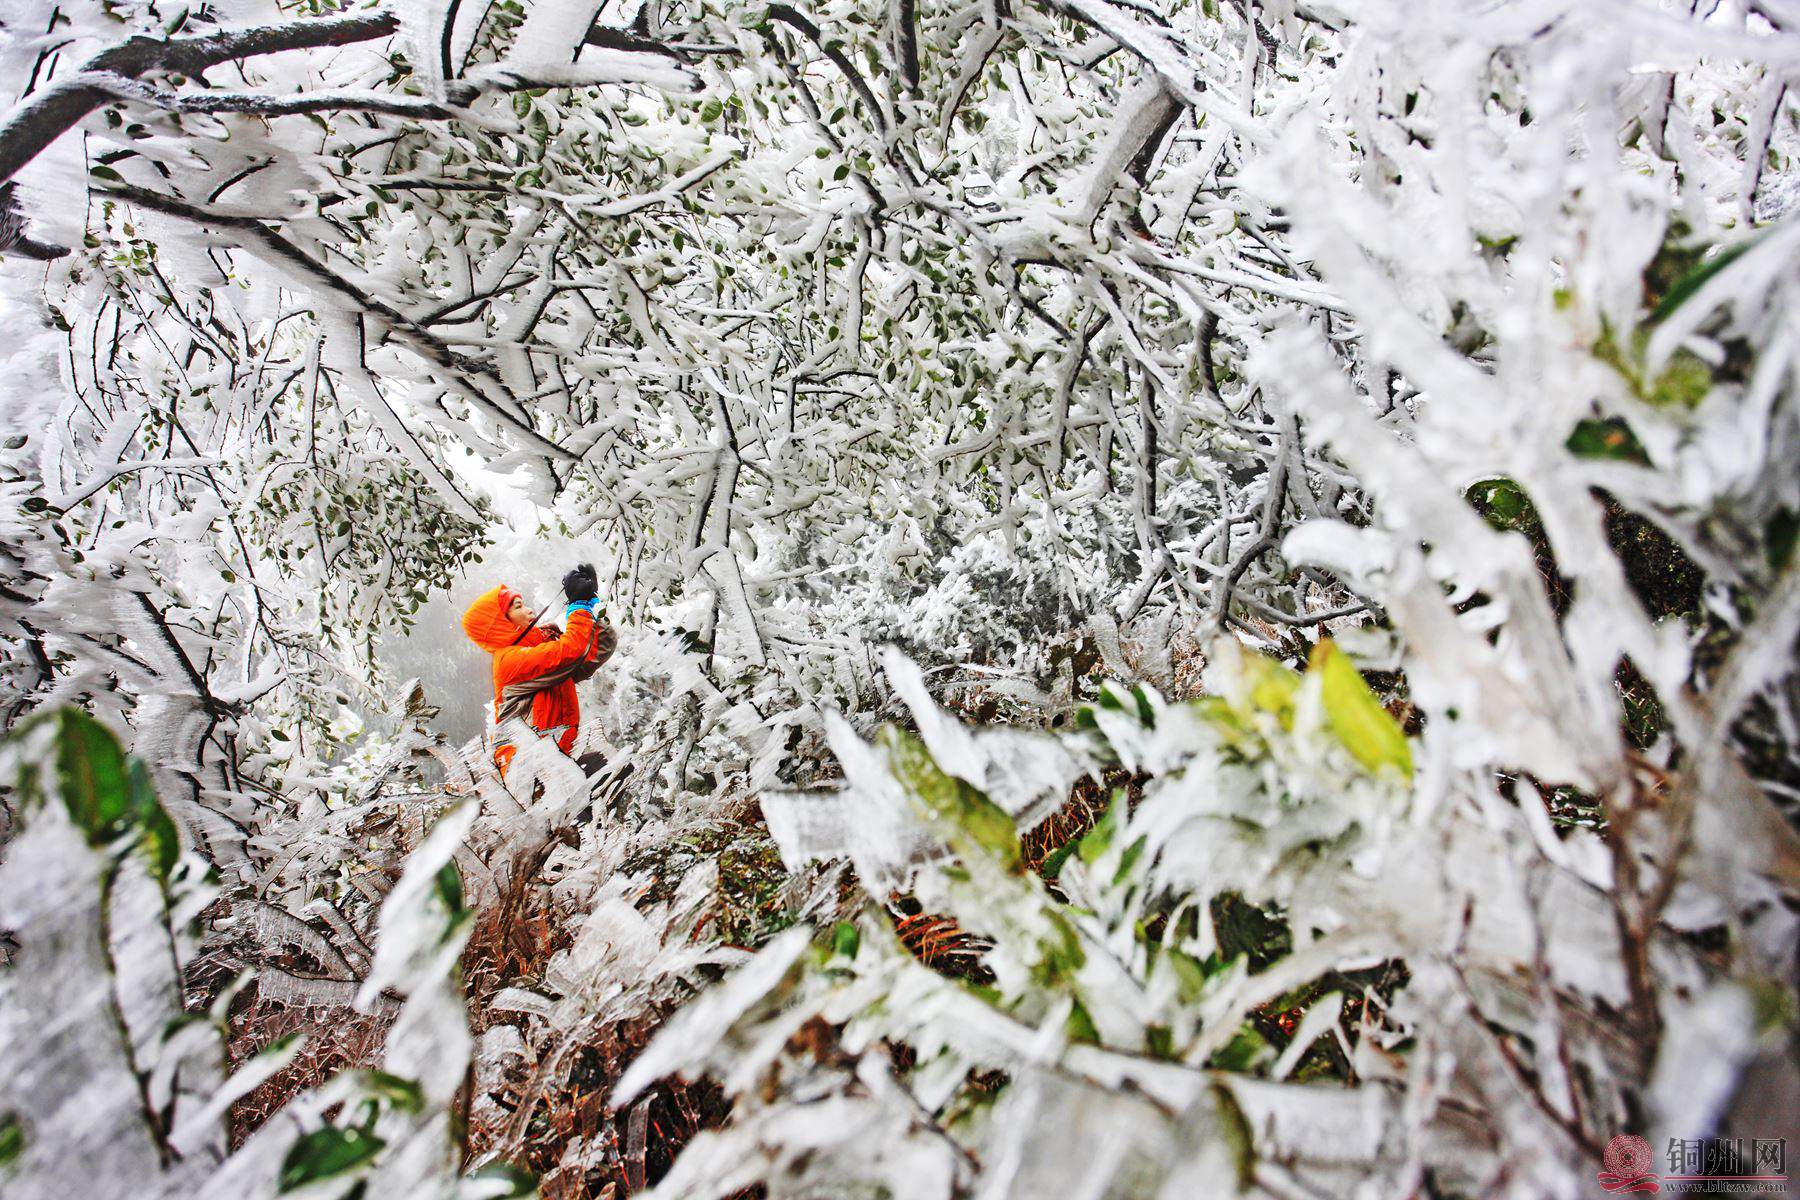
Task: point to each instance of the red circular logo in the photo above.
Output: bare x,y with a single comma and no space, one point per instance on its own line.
1628,1155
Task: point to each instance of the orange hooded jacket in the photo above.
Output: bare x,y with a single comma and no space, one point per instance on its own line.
542,651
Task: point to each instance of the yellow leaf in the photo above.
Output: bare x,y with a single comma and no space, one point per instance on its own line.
1272,687
1373,737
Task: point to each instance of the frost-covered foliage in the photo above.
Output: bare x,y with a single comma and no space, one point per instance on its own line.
121,1092
1456,958
1046,342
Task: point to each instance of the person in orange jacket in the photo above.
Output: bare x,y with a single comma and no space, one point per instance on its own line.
536,667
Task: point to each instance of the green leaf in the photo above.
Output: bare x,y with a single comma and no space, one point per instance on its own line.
984,992
1129,859
1145,712
711,111
1610,439
396,1092
91,773
109,795
449,887
1132,701
324,1153
160,840
1373,737
1685,379
1190,974
1081,1027
1246,1050
1053,861
1778,537
1095,841
12,1138
846,939
974,824
1500,501
1685,287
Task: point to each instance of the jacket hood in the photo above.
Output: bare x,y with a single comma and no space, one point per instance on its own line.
486,624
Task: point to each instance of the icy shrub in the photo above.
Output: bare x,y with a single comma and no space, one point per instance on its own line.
1118,1034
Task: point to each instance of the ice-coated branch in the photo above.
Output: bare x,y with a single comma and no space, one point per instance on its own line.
787,14
474,381
48,113
1274,497
271,105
